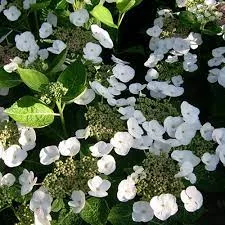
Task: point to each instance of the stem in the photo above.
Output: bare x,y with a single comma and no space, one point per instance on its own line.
120,18
61,108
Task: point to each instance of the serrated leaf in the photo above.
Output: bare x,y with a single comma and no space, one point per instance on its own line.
30,112
8,80
33,78
121,214
125,5
101,13
57,205
95,211
74,79
57,62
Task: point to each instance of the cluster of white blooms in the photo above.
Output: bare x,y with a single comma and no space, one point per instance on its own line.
50,154
218,60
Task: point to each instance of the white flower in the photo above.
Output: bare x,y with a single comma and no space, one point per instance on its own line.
151,75
4,91
85,97
195,39
210,2
116,84
8,179
3,4
210,160
122,142
152,61
101,90
191,58
43,53
25,42
154,129
142,212
185,169
69,147
3,115
27,138
218,52
98,187
218,135
171,124
45,30
189,66
191,198
52,19
13,65
181,46
28,3
220,151
154,31
12,13
177,80
189,112
92,52
102,36
106,164
181,3
57,47
142,143
164,206
100,149
83,133
27,180
118,61
127,112
206,131
79,17
40,219
185,132
159,147
182,156
14,156
70,1
124,73
136,88
40,203
49,155
133,128
78,201
126,190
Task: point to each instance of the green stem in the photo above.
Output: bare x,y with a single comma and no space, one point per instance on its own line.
61,108
120,18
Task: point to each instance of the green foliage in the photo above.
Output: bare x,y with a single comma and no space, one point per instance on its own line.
57,205
121,214
33,79
74,79
125,5
8,80
56,63
101,13
95,211
29,111
188,20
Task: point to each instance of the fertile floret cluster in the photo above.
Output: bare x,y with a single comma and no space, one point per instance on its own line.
9,134
52,92
155,109
104,121
24,215
75,37
70,175
159,177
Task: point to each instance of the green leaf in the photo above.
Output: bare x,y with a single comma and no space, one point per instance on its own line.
57,205
8,80
125,5
74,79
30,112
40,5
95,211
33,79
101,13
121,214
56,64
211,29
188,20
